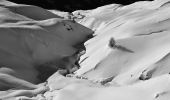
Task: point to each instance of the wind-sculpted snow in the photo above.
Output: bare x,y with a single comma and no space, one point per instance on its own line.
127,58
35,43
141,38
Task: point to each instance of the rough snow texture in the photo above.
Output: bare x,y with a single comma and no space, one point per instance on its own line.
127,59
140,33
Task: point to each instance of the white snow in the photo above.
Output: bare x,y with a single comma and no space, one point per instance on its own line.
138,61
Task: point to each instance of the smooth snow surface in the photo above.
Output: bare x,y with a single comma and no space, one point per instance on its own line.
31,36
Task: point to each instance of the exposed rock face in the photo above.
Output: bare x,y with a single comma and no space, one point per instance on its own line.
127,57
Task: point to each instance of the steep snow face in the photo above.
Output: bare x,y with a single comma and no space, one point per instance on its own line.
140,41
31,36
131,47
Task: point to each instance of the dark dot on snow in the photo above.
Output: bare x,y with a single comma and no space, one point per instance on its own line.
112,43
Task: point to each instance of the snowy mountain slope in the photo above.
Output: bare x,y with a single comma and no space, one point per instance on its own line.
139,28
127,57
32,36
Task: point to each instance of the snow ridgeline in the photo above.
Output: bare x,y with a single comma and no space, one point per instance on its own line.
128,57
35,43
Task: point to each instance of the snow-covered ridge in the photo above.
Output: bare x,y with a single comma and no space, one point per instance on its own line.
142,27
127,59
32,36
